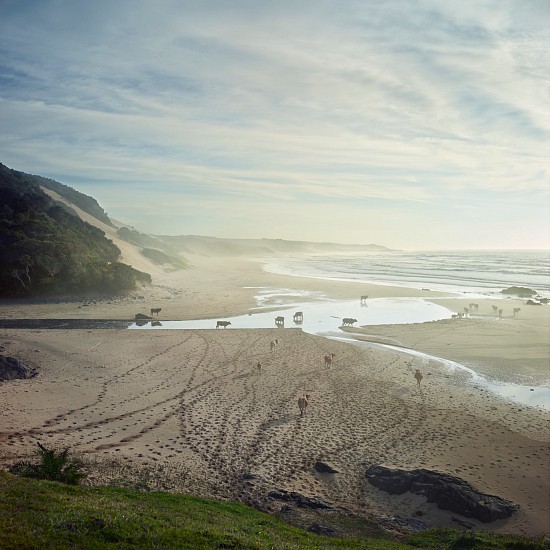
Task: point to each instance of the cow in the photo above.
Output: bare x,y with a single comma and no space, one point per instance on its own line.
156,310
222,324
516,311
418,375
364,299
348,321
495,309
303,402
328,359
298,317
280,321
273,344
500,313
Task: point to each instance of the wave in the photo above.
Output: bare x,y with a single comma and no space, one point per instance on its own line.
464,271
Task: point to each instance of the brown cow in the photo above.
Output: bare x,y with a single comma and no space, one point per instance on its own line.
328,359
418,375
303,402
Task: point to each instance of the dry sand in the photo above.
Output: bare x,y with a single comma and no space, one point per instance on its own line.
186,410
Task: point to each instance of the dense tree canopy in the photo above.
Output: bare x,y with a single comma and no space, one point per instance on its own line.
45,250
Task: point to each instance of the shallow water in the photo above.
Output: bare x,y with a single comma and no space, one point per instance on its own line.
322,317
326,315
530,396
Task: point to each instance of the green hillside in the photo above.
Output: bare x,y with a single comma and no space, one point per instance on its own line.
48,515
45,250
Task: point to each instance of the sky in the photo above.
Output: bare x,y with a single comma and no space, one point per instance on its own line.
411,124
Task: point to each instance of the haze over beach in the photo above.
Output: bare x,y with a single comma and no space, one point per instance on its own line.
373,175
420,126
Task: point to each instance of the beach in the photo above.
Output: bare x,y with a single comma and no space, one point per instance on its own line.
187,410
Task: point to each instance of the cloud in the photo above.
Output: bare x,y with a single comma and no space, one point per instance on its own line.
281,102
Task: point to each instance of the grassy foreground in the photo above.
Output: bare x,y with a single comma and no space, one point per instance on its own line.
45,514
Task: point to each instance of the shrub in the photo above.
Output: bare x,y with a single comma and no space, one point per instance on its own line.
54,465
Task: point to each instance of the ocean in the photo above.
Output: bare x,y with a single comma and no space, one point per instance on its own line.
483,272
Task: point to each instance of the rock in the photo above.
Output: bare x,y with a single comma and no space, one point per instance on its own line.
462,523
302,501
532,303
448,492
12,369
324,468
519,291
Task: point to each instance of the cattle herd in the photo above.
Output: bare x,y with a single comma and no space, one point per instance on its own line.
298,318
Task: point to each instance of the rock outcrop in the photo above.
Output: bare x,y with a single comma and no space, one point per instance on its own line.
521,291
448,492
12,369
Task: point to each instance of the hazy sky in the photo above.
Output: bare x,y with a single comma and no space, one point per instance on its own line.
410,124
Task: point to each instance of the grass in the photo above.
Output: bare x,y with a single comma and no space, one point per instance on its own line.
46,514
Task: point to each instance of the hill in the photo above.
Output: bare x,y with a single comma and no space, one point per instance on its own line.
213,246
47,250
56,240
46,514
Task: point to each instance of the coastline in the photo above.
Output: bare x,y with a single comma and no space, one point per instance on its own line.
193,398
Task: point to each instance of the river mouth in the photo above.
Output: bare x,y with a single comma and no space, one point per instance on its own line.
56,324
322,318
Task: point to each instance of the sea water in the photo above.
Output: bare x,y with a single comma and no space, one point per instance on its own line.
485,272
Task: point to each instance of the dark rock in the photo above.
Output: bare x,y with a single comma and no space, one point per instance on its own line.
302,501
324,468
12,369
519,291
532,303
323,530
462,523
448,492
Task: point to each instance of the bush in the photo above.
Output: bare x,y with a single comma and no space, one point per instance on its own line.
54,465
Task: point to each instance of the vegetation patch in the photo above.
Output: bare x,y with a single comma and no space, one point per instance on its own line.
46,514
45,250
53,465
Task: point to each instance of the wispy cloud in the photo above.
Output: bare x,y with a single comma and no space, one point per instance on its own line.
279,104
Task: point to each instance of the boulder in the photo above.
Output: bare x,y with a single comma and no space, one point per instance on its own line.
12,369
522,291
448,492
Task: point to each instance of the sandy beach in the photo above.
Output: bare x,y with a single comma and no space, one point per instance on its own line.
188,410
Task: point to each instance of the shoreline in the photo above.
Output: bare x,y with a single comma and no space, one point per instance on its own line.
192,401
